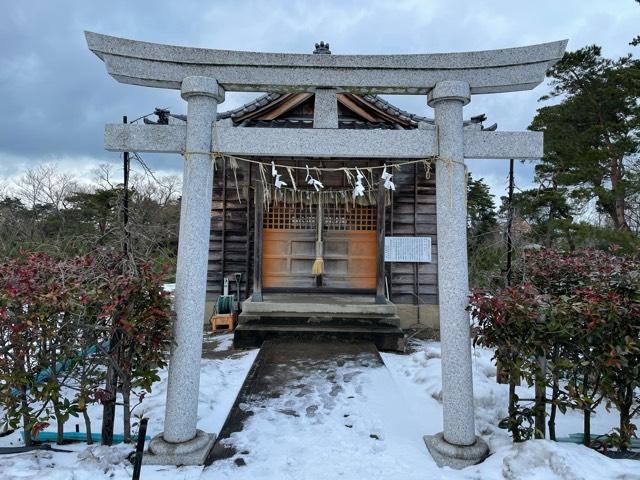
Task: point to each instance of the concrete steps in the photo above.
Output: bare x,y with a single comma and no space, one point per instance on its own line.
319,317
383,337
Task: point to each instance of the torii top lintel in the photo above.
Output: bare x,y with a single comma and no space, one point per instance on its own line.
165,66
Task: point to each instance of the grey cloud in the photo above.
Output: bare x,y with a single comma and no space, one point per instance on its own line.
56,96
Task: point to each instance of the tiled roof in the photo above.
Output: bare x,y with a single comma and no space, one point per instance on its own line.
259,102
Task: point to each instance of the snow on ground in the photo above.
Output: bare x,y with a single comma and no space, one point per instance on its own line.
223,342
373,429
219,385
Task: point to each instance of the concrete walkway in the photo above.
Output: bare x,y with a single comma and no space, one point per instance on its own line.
307,382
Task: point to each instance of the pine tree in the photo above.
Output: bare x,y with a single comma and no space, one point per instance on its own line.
485,245
592,138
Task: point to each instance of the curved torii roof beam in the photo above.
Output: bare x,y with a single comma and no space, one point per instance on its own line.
165,66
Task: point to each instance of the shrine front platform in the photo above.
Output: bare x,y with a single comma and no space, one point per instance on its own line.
319,316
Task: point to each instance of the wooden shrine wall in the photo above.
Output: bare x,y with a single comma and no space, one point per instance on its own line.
412,212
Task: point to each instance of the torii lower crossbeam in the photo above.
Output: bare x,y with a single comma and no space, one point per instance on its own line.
327,143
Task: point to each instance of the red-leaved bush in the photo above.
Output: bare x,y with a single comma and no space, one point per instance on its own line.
580,314
58,322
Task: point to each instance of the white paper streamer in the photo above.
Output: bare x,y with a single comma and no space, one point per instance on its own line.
317,184
274,173
386,176
358,189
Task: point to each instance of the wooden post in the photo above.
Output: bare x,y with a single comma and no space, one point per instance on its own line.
125,200
509,224
380,221
257,243
416,272
247,270
223,233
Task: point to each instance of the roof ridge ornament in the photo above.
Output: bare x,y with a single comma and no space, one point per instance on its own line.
322,49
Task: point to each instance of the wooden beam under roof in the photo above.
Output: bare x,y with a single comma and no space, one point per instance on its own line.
275,109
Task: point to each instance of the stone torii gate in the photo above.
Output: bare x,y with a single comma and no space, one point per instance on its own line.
203,76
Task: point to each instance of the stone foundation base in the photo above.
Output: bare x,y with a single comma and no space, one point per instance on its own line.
446,454
193,452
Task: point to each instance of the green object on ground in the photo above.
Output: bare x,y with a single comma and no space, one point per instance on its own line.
224,304
78,437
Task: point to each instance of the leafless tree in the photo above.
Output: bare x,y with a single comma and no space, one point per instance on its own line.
46,185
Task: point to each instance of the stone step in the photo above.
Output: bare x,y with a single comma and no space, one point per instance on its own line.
337,306
317,314
338,320
384,337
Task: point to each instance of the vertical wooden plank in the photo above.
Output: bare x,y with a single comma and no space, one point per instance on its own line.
392,193
380,221
416,287
257,242
248,233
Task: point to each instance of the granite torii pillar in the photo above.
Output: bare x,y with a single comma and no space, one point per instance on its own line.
457,445
181,442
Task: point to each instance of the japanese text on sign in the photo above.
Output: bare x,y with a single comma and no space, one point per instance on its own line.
407,249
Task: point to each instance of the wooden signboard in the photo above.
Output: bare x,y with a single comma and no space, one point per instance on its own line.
407,249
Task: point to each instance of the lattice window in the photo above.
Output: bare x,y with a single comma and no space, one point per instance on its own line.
335,217
291,217
349,217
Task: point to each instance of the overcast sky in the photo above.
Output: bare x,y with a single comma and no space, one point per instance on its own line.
56,95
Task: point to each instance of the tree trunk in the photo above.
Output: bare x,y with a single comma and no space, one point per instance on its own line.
26,418
540,403
625,420
586,427
111,386
586,415
109,406
618,192
59,423
554,396
502,372
126,409
512,411
87,426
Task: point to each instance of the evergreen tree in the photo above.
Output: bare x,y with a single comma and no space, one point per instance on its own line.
485,244
481,214
592,135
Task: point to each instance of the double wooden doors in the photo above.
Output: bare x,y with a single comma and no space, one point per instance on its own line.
290,233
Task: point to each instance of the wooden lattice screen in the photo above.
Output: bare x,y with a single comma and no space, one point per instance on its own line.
290,217
342,217
338,217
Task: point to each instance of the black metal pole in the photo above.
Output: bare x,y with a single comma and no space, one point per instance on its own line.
513,381
137,461
509,222
125,201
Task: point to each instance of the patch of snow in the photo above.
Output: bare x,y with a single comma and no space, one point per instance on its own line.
224,342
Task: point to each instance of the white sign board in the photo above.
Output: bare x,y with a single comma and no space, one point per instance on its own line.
407,249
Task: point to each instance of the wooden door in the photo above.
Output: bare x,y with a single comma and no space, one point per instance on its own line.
349,247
